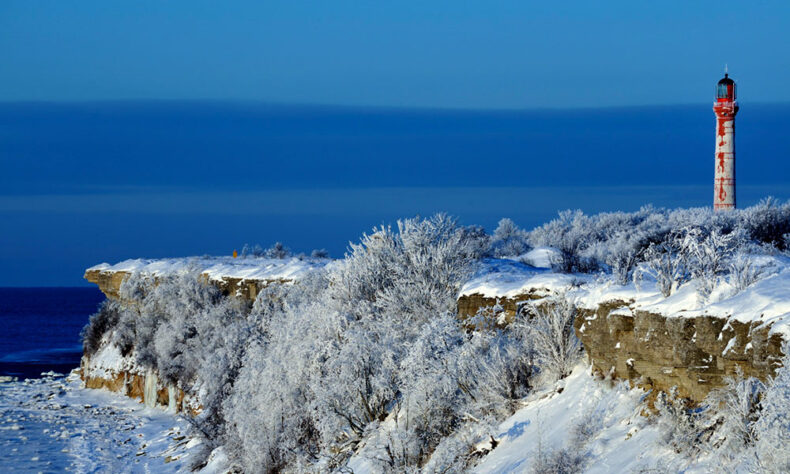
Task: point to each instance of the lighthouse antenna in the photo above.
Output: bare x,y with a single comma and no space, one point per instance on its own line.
725,68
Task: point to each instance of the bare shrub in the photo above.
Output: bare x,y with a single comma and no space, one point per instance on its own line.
550,328
744,272
666,264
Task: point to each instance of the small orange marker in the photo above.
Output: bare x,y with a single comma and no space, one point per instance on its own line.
235,253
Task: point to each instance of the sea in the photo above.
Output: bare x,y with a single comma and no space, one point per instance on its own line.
93,182
40,329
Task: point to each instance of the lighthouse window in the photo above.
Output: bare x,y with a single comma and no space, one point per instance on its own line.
725,91
722,91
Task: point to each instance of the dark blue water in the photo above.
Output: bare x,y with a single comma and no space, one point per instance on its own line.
85,183
47,148
40,328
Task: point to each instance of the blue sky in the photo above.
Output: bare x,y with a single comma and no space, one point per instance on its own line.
483,54
168,128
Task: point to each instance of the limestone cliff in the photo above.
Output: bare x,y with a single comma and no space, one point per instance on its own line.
242,277
693,354
655,342
110,370
628,333
109,282
659,352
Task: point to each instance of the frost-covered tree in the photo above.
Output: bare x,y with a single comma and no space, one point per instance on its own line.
334,353
509,240
185,330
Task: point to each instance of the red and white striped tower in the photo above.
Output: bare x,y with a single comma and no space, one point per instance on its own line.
725,108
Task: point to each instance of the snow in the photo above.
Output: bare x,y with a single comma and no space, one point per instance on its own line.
547,420
219,268
108,361
540,257
53,424
730,345
508,278
621,438
766,302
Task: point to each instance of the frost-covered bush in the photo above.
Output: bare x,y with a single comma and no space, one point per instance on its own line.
666,263
732,412
570,235
278,250
678,422
428,261
319,253
252,251
621,255
549,327
767,222
707,257
184,329
744,272
341,350
100,324
772,428
618,241
455,453
565,460
509,240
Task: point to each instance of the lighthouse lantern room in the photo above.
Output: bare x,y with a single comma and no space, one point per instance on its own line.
725,108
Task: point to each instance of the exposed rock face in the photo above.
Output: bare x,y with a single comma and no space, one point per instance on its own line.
109,282
133,386
658,352
468,305
147,387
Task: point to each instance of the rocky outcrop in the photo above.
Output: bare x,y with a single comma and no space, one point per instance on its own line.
144,387
109,282
694,354
653,351
468,305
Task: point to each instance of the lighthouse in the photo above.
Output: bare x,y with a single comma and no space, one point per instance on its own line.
725,108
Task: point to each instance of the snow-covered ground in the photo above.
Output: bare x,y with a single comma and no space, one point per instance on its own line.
767,301
617,433
601,423
52,424
218,268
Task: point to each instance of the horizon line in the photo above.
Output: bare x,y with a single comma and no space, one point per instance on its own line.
375,107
